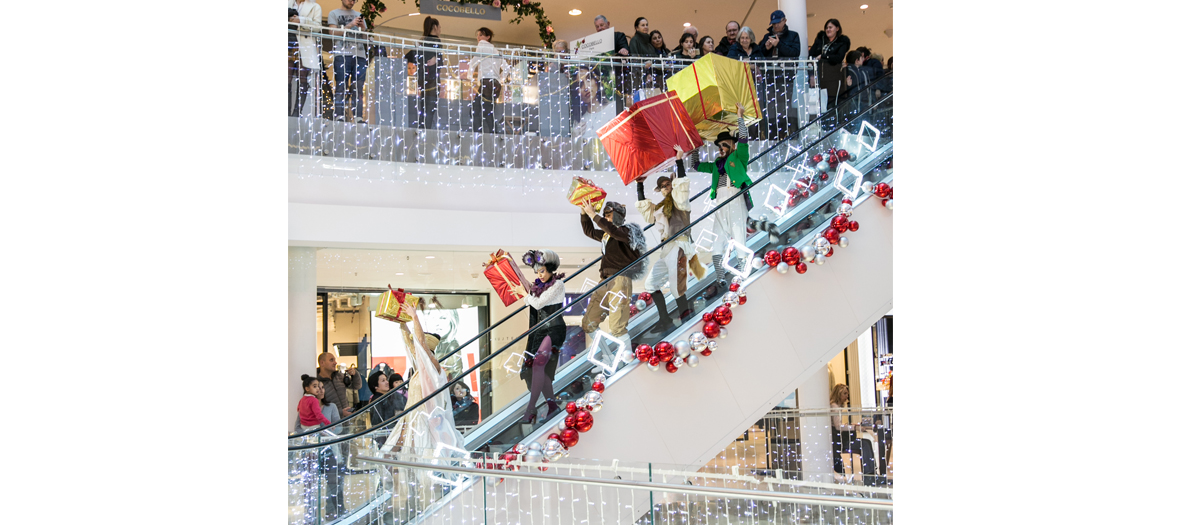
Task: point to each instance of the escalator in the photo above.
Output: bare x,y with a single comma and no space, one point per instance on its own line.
791,325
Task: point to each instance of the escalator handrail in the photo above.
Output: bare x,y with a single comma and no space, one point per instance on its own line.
541,323
591,263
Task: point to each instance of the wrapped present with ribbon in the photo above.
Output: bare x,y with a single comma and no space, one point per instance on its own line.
639,140
583,190
711,88
393,303
506,278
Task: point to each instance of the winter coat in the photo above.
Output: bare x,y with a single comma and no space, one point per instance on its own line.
723,46
310,23
625,245
641,45
788,44
834,52
737,53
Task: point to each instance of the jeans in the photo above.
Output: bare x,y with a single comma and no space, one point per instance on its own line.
349,83
297,81
485,105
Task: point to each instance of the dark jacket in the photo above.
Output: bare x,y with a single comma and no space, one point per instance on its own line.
387,406
556,331
466,410
618,253
621,42
875,68
335,388
427,75
861,77
737,53
641,45
723,45
835,52
680,55
788,44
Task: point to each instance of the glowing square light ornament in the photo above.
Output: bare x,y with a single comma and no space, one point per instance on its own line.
747,267
776,204
612,300
602,356
516,360
846,169
426,417
706,235
462,454
860,138
587,285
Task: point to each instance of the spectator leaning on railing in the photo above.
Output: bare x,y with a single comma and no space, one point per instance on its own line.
829,48
490,70
349,59
622,75
427,63
308,16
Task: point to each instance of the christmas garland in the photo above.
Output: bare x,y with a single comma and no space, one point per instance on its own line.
371,8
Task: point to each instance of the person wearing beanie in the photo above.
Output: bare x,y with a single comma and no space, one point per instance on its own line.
729,178
544,343
622,244
671,215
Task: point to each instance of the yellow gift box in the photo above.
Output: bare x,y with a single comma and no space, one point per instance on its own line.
584,191
711,88
392,305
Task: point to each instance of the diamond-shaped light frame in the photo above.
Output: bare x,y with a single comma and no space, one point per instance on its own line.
463,454
747,267
860,139
612,300
707,234
780,208
508,363
614,358
587,285
846,169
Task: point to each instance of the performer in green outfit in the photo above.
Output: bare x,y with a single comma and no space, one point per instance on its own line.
729,177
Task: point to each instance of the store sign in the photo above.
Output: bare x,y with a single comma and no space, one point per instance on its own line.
444,8
596,44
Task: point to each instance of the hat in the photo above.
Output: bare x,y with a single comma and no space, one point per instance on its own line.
619,209
724,135
432,341
777,17
660,181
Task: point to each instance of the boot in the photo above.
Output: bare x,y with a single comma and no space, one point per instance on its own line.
665,321
683,309
723,277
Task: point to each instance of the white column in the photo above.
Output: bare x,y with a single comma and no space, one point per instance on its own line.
300,324
816,434
796,11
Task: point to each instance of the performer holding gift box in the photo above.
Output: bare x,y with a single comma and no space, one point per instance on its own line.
393,305
710,88
640,140
505,277
622,243
729,177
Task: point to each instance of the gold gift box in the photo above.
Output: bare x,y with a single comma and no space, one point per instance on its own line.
390,309
583,190
711,88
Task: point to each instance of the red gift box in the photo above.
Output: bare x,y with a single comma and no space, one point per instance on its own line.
640,139
506,278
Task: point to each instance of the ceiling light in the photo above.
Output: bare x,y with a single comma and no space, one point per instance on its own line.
864,6
400,273
575,12
429,256
686,24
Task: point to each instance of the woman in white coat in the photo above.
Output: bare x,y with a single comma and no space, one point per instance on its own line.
310,20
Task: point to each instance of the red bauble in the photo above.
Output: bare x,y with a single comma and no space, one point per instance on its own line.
833,160
792,191
814,187
643,352
634,310
671,367
843,154
792,201
853,226
846,201
711,329
569,421
571,407
554,435
723,315
654,361
508,456
804,194
840,222
823,175
741,298
832,235
831,251
734,287
665,351
792,261
598,387
891,192
791,252
817,158
645,297
706,352
801,267
832,151
881,190
772,258
583,421
569,437
885,203
707,317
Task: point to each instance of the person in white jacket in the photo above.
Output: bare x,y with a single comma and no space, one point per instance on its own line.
310,20
490,71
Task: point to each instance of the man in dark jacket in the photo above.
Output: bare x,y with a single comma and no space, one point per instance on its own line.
780,43
335,383
622,244
730,38
621,49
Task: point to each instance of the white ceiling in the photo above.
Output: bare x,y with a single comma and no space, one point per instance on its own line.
448,270
862,27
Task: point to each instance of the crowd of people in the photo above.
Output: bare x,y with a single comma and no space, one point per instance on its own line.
838,73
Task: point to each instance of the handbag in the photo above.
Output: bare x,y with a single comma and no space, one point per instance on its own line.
817,100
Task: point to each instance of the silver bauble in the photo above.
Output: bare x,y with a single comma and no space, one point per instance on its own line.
561,424
843,241
677,361
808,252
553,445
866,187
600,378
697,341
821,245
692,361
712,345
737,279
682,348
758,263
823,166
595,407
731,298
845,209
851,157
551,455
640,304
626,356
535,446
724,333
889,204
592,397
820,259
652,367
783,267
698,304
533,456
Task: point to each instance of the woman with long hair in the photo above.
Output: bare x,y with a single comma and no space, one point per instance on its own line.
427,63
829,48
544,343
844,438
708,45
688,48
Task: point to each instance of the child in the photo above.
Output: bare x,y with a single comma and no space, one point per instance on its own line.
310,414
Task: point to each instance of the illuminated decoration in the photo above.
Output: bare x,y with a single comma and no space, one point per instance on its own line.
847,169
860,138
587,285
602,356
777,205
612,300
463,454
426,417
705,240
508,363
746,259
